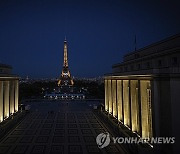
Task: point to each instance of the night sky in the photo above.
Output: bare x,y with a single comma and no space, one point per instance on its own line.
99,33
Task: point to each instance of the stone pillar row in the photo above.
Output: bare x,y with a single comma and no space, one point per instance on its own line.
130,102
9,94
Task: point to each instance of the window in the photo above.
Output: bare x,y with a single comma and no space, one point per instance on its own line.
1,70
159,63
148,64
138,66
136,55
125,68
132,67
174,60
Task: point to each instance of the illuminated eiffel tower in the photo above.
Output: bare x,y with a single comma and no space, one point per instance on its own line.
65,79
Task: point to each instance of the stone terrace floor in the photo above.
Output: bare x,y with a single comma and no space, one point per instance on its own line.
71,128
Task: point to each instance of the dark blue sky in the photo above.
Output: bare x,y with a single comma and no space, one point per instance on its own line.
99,33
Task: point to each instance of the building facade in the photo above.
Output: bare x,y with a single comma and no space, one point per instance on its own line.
9,92
142,92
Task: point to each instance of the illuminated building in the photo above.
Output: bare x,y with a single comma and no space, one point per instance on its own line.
143,90
9,92
65,78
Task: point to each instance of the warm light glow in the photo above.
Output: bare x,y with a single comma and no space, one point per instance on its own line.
119,100
1,118
114,98
110,96
106,95
126,102
6,99
146,117
16,84
134,105
65,78
1,101
11,92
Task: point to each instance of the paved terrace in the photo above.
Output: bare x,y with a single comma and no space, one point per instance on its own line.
58,128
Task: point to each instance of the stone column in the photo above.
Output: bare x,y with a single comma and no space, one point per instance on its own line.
146,113
106,95
110,96
126,103
6,99
134,105
114,98
12,97
119,100
1,101
16,85
139,108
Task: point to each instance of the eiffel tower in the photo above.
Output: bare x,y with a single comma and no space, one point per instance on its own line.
65,79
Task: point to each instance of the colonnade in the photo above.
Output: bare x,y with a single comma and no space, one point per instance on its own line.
9,93
129,100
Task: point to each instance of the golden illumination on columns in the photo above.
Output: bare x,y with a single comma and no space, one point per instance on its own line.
114,98
6,99
16,84
126,102
110,96
119,100
146,113
1,101
106,95
134,105
11,97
